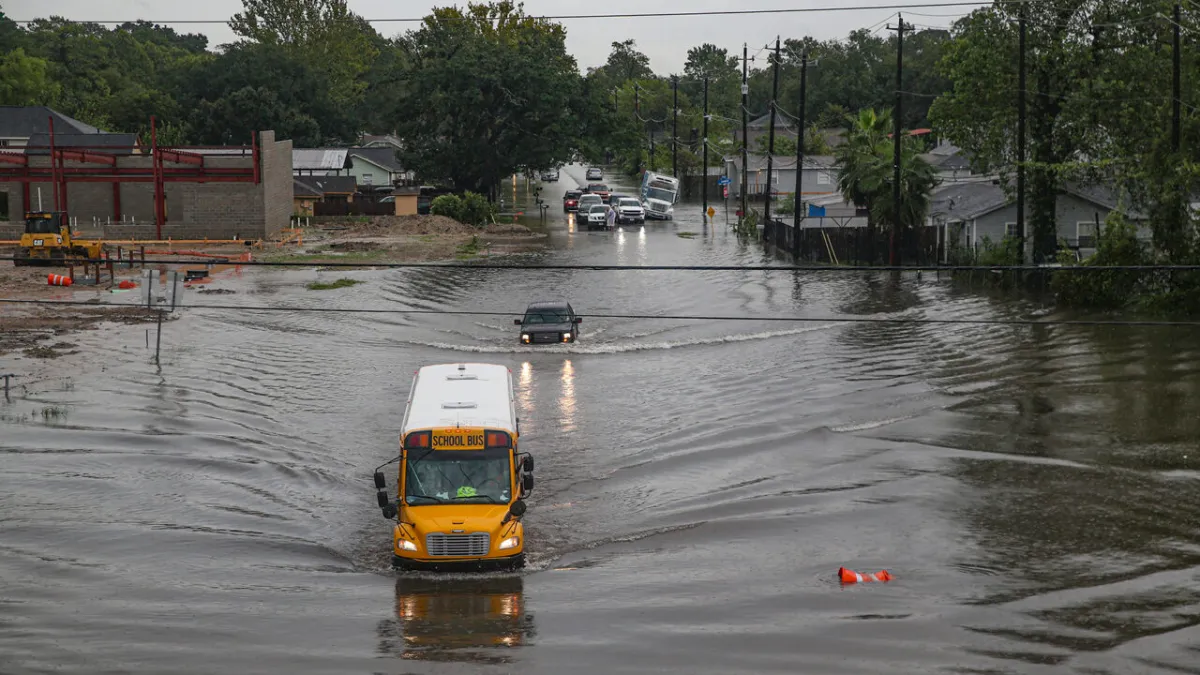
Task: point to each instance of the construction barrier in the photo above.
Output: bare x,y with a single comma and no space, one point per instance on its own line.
58,280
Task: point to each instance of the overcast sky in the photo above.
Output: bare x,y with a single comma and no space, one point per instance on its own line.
665,40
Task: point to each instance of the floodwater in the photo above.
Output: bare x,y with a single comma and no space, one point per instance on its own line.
1034,490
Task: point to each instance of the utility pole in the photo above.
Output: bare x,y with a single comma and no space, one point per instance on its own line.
771,138
1176,88
704,142
675,131
637,117
1026,256
745,138
800,157
897,140
1176,134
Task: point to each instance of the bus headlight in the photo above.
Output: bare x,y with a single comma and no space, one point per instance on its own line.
405,545
511,542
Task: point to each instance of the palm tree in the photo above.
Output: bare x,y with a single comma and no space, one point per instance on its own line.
866,172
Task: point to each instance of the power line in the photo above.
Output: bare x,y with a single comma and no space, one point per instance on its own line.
662,317
565,17
681,268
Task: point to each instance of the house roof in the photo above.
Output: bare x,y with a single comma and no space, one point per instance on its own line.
23,121
764,122
324,185
371,140
319,159
102,142
383,157
970,200
758,162
966,201
302,189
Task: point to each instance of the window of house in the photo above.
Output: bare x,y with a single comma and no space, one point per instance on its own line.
823,178
775,179
4,205
368,179
1010,230
1085,234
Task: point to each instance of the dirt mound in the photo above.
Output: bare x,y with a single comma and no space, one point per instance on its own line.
355,246
508,228
420,224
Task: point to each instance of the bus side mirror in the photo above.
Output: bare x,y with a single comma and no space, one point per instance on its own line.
527,463
527,483
516,322
389,511
579,319
517,509
382,498
380,482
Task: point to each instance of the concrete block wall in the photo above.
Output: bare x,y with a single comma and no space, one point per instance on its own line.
277,183
194,210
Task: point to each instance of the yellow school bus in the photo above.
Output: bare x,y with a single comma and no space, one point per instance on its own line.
462,479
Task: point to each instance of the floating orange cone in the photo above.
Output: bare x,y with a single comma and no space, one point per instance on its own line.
127,284
58,280
852,577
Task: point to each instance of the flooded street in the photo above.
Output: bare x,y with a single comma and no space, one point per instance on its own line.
1033,489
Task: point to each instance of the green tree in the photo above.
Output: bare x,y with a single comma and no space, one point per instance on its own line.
626,63
491,91
866,173
25,80
252,87
324,33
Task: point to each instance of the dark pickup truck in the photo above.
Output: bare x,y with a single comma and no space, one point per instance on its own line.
549,322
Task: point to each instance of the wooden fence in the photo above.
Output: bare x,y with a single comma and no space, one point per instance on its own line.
357,208
853,245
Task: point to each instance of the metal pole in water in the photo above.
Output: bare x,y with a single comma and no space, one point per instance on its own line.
6,376
158,338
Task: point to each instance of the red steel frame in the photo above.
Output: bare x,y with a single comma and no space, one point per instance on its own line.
194,169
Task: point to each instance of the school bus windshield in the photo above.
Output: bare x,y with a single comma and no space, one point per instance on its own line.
458,477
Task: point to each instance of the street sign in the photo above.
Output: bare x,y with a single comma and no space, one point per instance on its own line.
711,212
724,180
726,191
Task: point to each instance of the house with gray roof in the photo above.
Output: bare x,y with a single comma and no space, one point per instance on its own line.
971,213
819,177
101,143
18,123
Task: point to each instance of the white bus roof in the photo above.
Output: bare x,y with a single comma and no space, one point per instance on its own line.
461,395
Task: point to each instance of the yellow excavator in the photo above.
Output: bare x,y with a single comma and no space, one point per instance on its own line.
48,241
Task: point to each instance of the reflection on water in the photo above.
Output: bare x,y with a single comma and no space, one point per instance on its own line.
567,400
525,388
455,619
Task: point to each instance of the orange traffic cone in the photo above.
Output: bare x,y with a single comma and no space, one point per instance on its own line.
852,577
58,280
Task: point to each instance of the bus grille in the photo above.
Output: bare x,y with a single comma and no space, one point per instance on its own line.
473,544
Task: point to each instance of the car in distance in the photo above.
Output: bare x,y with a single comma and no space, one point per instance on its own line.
595,173
549,322
571,200
586,201
599,189
597,217
550,176
629,210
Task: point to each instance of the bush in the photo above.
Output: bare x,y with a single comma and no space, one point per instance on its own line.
449,206
476,210
1108,289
